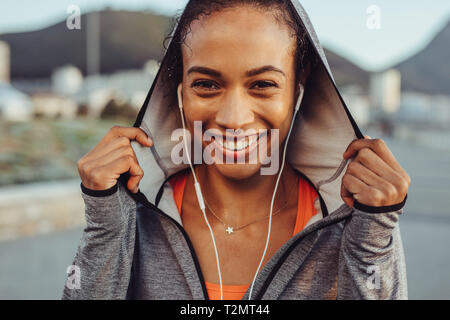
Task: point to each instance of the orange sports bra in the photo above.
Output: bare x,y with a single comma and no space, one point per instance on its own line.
305,211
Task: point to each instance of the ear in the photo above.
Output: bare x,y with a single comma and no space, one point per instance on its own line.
305,74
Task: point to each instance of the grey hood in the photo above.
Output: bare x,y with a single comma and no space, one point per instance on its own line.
322,131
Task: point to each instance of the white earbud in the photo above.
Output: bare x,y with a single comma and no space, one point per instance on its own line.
301,91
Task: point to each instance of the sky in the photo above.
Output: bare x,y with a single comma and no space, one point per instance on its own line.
397,29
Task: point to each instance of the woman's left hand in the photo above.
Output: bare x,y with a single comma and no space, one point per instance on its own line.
373,177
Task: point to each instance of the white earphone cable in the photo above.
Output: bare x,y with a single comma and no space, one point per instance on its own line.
198,190
297,107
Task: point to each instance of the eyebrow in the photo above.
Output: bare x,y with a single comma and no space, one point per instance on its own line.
249,73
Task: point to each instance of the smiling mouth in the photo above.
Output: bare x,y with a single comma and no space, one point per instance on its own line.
240,144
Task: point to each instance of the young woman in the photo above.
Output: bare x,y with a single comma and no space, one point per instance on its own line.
320,223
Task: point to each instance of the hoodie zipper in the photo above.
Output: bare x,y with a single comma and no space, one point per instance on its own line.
142,199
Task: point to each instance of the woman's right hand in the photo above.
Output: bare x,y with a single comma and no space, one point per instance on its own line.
100,168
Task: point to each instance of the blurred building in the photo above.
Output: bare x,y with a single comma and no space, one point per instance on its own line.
14,105
423,109
385,90
67,80
5,64
50,105
129,86
68,93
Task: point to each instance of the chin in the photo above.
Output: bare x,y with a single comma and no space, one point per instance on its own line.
238,171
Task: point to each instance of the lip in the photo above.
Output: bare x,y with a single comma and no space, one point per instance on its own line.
242,154
228,137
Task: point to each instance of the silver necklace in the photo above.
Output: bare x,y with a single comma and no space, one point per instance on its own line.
229,229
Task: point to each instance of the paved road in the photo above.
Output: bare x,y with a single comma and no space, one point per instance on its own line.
35,267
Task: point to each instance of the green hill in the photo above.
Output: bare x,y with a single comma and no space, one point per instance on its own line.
128,40
429,70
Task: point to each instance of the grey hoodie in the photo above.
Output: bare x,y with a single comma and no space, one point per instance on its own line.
135,246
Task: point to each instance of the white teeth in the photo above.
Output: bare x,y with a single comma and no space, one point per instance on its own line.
237,146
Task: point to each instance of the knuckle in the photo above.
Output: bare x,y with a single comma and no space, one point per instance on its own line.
95,176
127,151
128,158
123,141
391,191
346,179
404,185
408,180
376,197
352,167
83,167
115,128
364,153
80,164
379,143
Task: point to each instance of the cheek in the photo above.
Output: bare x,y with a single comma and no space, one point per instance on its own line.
277,115
198,109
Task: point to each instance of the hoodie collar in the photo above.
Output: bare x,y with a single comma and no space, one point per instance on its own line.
322,131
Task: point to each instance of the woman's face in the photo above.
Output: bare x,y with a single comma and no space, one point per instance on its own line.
238,73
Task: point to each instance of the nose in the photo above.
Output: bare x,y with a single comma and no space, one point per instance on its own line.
235,111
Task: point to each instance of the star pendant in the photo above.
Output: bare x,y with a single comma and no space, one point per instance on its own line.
229,230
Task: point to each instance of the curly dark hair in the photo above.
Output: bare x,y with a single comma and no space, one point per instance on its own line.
195,9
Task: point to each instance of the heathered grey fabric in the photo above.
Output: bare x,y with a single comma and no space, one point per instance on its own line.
133,250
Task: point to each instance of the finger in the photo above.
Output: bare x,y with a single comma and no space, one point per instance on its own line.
356,187
386,155
136,174
107,149
131,133
375,164
376,145
112,156
353,184
118,132
347,196
349,187
356,169
125,164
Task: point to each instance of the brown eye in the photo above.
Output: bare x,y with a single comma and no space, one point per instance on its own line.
203,84
263,84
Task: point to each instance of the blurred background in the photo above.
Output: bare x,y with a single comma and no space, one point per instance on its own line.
69,70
